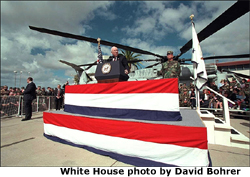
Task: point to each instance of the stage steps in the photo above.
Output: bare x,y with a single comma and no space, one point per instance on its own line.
219,132
239,140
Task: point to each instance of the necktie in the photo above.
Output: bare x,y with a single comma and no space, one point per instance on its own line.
58,94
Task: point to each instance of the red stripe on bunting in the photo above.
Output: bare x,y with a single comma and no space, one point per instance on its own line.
149,86
157,133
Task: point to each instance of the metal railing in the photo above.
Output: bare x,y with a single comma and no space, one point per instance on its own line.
225,109
14,105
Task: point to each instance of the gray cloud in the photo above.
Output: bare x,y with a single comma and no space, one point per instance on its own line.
65,15
152,21
231,40
17,40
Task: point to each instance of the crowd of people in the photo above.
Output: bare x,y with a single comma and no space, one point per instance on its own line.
237,92
10,99
15,91
40,91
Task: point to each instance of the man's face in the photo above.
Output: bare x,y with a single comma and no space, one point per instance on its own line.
28,80
114,52
59,86
170,56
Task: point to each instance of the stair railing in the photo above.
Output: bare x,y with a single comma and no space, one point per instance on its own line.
225,108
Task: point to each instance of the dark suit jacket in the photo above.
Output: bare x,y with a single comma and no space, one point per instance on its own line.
233,97
61,93
30,92
122,59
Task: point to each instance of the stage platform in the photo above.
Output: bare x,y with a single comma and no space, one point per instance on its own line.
136,122
190,118
135,142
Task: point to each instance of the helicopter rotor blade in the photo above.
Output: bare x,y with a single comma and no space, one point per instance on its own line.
234,12
95,63
136,61
238,74
221,57
93,40
150,66
90,64
76,67
88,76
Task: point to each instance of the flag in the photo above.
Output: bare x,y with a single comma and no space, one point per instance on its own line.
197,58
100,59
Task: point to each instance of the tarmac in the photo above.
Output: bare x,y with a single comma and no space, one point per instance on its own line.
23,145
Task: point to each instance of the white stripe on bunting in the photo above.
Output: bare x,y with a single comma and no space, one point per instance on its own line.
147,101
165,153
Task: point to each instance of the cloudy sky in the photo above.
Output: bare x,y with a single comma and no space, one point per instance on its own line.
154,26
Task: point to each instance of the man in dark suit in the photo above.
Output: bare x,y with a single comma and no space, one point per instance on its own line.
58,97
29,95
115,57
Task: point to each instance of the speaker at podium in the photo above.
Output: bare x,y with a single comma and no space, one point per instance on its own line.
109,72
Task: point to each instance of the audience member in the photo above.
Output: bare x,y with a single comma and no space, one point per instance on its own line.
192,98
58,97
221,84
204,101
48,92
213,86
219,101
43,92
64,85
39,91
240,99
184,98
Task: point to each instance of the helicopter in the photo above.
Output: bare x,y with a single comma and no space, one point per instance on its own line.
227,17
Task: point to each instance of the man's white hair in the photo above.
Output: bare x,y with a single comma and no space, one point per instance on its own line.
113,48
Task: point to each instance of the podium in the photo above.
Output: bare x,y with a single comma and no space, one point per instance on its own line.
110,72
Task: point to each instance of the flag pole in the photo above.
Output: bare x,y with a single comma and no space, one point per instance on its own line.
98,40
100,59
195,77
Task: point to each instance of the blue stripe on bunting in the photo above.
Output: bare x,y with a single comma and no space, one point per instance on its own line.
124,113
136,161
